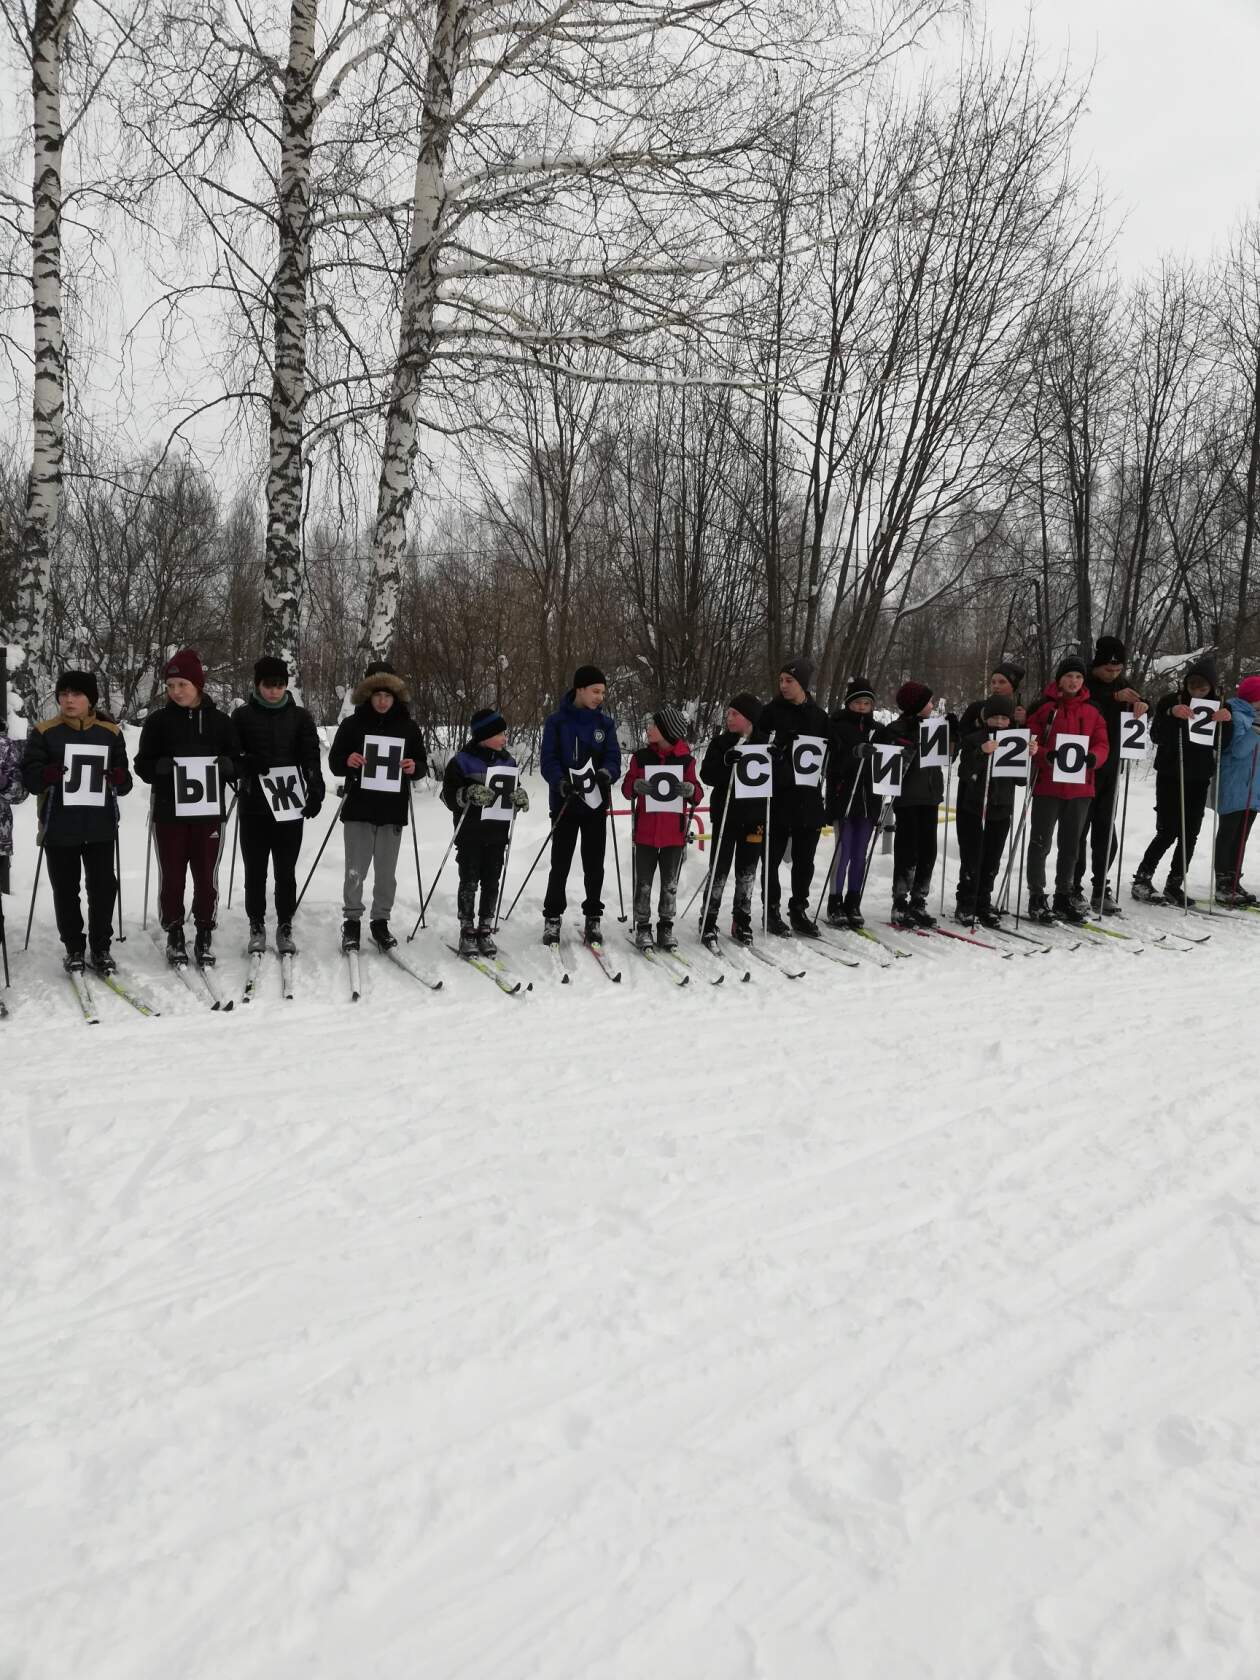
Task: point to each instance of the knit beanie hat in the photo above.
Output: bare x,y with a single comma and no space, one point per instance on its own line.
1109,650
79,682
802,668
859,689
586,675
998,705
1204,668
270,670
1069,662
485,722
1013,673
913,696
747,705
186,664
671,723
1249,690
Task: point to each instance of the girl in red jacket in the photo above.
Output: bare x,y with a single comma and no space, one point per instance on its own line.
659,836
1065,710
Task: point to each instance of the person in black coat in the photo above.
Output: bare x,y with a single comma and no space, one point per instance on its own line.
852,803
734,837
275,734
373,818
480,840
78,813
983,811
1111,693
190,726
1004,681
917,808
1183,776
796,806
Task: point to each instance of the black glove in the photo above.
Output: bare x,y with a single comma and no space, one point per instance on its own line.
1049,755
164,767
227,769
641,787
604,779
569,789
1091,761
731,755
864,749
314,803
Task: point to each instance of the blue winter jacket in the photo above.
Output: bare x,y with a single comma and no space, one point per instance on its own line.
572,735
1240,762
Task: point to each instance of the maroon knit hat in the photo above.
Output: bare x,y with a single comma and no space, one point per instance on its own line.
913,696
187,664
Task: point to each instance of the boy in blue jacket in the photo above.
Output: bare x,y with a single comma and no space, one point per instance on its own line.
577,734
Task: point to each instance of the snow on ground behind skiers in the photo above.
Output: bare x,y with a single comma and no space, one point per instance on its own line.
882,1323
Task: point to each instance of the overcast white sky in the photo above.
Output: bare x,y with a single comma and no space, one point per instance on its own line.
1174,113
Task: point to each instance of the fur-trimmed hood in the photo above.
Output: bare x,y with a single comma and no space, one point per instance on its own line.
380,679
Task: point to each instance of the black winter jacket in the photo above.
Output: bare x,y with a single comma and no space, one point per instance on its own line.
918,786
369,806
850,730
73,825
971,775
272,736
184,731
781,723
1200,761
1103,694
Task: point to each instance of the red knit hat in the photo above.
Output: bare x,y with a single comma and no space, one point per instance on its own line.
1249,690
913,696
187,664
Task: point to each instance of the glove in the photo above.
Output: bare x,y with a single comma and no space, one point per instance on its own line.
1091,761
520,799
225,765
730,756
118,775
640,787
864,749
53,774
1049,755
604,779
691,794
314,803
164,767
568,788
480,794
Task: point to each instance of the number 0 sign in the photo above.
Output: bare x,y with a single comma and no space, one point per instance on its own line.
1070,753
665,788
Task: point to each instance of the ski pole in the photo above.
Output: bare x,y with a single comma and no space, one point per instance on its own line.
1216,818
1111,837
829,880
949,774
415,847
4,948
122,937
1181,799
441,866
765,877
978,879
507,853
1242,830
1124,822
236,826
34,889
148,859
319,854
550,835
714,858
617,856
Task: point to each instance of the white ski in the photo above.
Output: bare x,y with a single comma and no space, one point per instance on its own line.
83,996
399,961
356,985
286,976
253,975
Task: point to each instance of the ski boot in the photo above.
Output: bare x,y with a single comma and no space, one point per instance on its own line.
1231,894
486,946
1143,888
1039,909
776,925
1104,903
383,938
709,930
853,911
284,940
73,962
1080,904
1064,908
988,917
901,916
257,938
551,930
741,928
592,933
203,956
965,915
801,924
1175,892
102,961
920,915
643,936
836,916
468,942
350,934
176,948
666,940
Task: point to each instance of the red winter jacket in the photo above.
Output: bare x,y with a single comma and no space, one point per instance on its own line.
1076,715
661,828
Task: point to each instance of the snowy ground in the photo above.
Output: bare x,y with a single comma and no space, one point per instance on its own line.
884,1324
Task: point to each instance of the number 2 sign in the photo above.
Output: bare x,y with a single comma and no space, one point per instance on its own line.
1010,759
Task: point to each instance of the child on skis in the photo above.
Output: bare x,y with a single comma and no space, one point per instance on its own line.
1065,709
12,792
78,833
578,734
373,819
796,811
190,725
730,839
1238,795
480,842
1183,775
274,732
915,808
852,804
983,815
660,837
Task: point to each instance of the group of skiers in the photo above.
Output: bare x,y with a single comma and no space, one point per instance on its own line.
268,751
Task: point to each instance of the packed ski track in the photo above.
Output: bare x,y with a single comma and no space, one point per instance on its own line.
898,1321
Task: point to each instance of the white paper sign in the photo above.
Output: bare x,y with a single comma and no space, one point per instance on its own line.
501,779
285,792
1070,753
1135,735
1010,761
84,781
1201,728
587,784
665,787
886,769
754,775
807,759
382,764
934,744
196,787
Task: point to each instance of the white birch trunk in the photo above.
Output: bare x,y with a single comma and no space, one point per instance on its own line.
43,493
415,331
282,572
